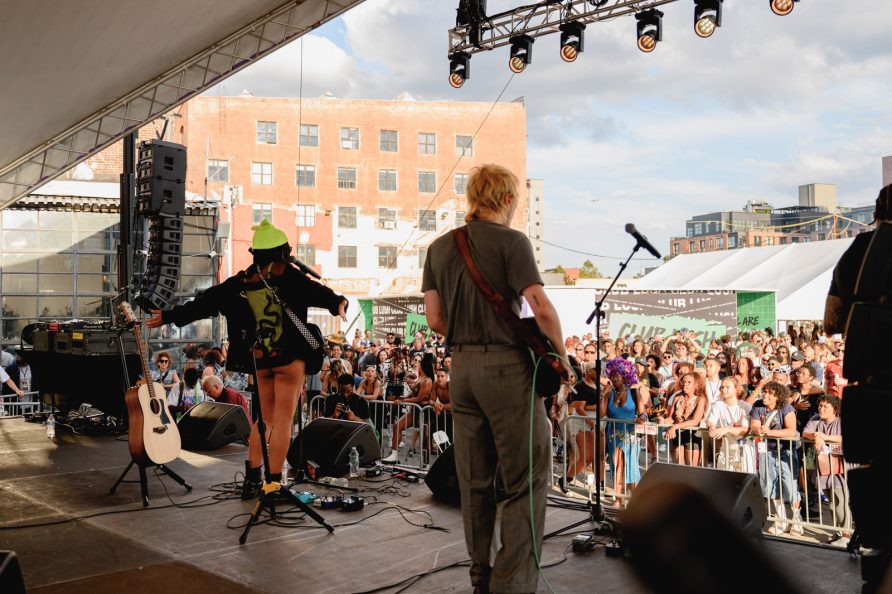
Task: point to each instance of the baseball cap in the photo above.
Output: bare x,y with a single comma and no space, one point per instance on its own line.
797,356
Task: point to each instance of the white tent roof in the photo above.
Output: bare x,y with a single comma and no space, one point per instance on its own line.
78,75
798,273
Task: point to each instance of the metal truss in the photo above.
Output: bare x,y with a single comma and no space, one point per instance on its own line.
541,19
158,96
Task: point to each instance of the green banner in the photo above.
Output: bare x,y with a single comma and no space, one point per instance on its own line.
755,310
416,323
624,324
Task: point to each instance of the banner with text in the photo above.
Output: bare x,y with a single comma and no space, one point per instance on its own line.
390,314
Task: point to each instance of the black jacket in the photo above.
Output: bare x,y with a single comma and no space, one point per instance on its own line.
228,298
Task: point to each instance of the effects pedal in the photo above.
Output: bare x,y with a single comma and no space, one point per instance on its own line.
371,471
330,502
614,549
583,543
353,503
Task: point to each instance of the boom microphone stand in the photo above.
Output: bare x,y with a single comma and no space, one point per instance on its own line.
270,489
595,509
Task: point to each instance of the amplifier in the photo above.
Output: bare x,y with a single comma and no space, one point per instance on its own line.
78,337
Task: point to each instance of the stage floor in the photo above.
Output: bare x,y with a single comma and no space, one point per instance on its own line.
190,548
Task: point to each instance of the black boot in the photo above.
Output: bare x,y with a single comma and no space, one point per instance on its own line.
251,486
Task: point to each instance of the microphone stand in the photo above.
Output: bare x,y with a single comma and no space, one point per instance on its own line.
595,509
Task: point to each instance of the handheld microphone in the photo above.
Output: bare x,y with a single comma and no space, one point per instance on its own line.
306,269
642,240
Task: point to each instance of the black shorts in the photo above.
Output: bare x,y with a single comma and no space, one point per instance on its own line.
688,438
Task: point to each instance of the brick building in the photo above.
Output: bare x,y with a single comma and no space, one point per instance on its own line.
361,186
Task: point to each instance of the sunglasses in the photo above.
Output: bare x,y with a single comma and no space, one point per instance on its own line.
667,357
778,370
590,352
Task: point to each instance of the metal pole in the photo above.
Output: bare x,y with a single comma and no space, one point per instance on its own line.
125,248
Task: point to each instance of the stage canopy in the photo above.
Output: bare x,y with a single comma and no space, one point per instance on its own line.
77,76
799,273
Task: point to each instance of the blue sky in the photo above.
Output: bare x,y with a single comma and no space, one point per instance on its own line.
765,105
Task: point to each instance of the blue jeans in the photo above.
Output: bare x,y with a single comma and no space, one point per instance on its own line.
778,471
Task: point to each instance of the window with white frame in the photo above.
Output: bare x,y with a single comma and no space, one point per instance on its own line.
386,256
218,171
464,146
459,218
309,135
350,138
427,143
427,220
305,176
347,178
262,173
261,211
347,217
387,180
427,181
305,215
306,253
389,141
266,132
346,256
387,218
422,256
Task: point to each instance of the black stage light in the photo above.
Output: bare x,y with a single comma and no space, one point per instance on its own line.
707,16
572,41
650,29
521,53
782,7
459,69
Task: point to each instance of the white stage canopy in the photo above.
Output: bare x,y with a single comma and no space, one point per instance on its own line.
798,273
79,75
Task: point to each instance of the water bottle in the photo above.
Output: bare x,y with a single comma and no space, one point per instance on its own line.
354,463
285,468
51,426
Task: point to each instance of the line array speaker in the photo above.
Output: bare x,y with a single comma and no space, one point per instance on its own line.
161,178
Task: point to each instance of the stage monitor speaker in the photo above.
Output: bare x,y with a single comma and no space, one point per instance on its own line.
212,425
11,580
327,442
442,478
737,494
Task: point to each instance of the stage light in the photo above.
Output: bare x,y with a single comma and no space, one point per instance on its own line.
459,69
521,53
650,29
707,16
572,41
782,7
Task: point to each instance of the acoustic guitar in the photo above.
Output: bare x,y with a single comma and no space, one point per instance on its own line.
154,438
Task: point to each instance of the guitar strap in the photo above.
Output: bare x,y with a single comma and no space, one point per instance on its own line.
298,323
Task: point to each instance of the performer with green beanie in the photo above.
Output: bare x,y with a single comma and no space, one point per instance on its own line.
251,310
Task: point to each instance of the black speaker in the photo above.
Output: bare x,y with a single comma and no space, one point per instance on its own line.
442,479
160,178
11,580
327,442
211,425
162,274
738,494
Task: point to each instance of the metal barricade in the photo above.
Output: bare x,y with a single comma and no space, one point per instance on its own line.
13,406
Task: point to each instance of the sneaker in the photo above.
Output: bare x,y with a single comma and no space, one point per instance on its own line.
393,457
782,526
796,528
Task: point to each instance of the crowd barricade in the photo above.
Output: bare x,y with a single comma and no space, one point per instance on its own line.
13,406
406,428
805,490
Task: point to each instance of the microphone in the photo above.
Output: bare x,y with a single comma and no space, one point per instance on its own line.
642,240
306,269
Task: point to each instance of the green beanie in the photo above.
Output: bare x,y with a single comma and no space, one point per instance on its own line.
267,237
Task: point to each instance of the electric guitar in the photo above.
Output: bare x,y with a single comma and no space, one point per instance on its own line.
154,438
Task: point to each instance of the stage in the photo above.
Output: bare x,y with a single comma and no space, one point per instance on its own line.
190,548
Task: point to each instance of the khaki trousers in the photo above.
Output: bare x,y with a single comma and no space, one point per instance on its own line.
490,392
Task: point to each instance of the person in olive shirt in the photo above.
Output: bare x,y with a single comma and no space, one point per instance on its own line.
346,404
491,380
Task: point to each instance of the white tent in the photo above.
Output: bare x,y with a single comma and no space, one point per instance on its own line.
798,273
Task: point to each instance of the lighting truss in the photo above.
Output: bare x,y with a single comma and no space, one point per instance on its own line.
541,19
158,96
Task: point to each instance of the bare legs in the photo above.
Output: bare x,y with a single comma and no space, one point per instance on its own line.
279,389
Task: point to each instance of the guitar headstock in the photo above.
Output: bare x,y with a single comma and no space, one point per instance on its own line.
127,311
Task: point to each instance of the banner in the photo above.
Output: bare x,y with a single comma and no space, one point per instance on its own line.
389,315
755,310
416,323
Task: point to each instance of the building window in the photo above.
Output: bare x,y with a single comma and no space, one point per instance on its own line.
266,132
720,243
427,143
427,181
732,241
386,218
305,215
306,176
464,146
702,245
347,217
389,141
262,173
309,135
350,138
459,218
461,183
676,248
757,240
346,256
422,256
387,180
698,228
347,178
386,256
427,220
783,241
769,241
218,171
260,212
692,246
306,253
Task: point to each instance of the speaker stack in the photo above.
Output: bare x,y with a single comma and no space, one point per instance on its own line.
161,198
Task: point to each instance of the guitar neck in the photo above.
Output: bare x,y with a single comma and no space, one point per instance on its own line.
143,359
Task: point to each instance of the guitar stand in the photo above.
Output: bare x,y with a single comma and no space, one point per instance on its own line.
273,490
143,482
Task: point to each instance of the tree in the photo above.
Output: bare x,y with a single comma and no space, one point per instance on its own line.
589,270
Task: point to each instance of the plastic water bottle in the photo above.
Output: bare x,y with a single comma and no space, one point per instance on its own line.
334,482
51,426
285,468
354,462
